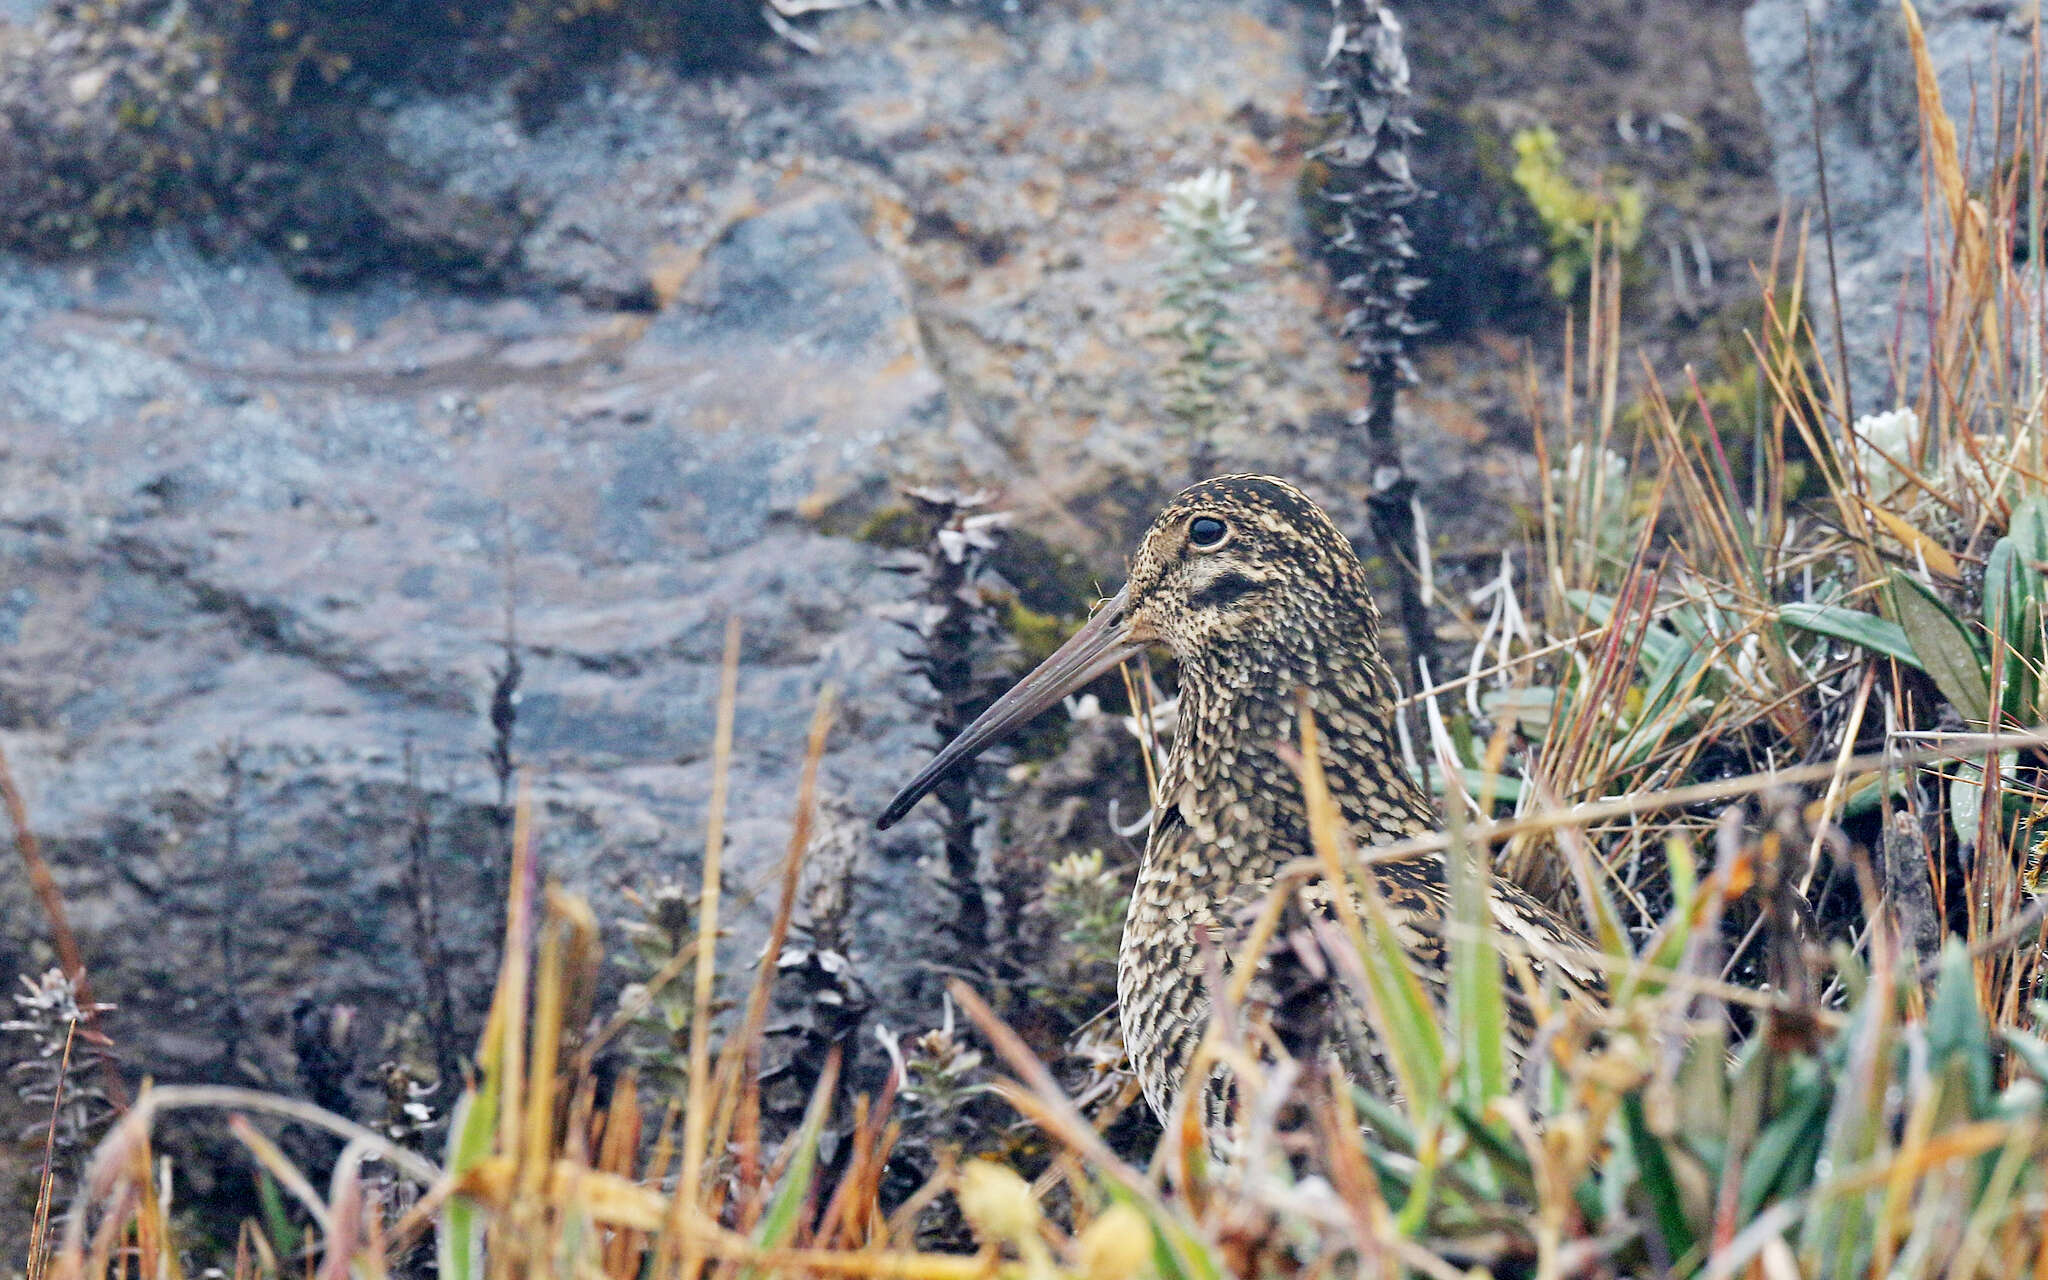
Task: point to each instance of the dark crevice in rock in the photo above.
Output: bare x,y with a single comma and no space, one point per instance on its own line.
280,629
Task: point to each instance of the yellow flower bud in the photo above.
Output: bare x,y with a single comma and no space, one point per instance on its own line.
997,1202
1116,1246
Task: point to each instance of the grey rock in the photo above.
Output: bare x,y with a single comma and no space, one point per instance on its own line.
313,574
241,516
1870,135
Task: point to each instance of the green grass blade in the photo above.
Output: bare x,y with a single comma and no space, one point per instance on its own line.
1479,1018
778,1224
1879,635
1657,1179
1782,1161
277,1221
459,1238
1408,1023
1956,1030
1510,1163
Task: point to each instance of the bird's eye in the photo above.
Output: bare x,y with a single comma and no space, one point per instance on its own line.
1206,531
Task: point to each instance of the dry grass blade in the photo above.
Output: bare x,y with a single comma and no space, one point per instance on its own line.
697,1107
741,1052
1967,216
282,1169
46,1181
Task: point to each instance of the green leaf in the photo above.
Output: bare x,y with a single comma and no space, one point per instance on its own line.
1956,1029
1486,788
1703,1083
1966,793
1682,871
1598,608
2031,1050
779,1223
459,1240
1657,1179
1878,635
1408,1029
1529,707
277,1221
2029,530
2016,608
1659,647
1667,946
1781,1162
1946,650
1479,1018
1998,588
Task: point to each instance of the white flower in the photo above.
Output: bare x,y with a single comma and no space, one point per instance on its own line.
1200,219
1886,446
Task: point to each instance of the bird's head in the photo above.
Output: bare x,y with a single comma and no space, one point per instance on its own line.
1232,562
1239,560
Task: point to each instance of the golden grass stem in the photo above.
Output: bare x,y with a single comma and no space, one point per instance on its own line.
696,1110
46,1181
545,1046
742,1050
1833,795
504,1045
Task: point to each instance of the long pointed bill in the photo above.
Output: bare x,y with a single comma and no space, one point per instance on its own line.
1094,649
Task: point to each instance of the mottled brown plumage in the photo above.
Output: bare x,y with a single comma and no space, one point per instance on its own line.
1264,603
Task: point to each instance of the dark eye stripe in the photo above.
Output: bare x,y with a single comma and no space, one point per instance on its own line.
1226,588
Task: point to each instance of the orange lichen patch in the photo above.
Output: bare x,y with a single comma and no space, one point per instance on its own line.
886,113
1251,35
889,219
1096,356
902,366
1130,230
1504,347
1305,294
1255,158
1453,418
1042,191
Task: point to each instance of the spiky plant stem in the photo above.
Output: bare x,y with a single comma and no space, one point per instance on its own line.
232,884
959,636
504,710
1370,185
430,950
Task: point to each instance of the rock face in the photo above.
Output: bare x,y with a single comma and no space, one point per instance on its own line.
258,541
218,546
1870,135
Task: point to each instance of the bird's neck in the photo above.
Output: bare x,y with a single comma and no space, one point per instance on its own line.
1240,706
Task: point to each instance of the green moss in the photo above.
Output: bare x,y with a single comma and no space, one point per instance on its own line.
896,528
1573,216
1049,578
1037,634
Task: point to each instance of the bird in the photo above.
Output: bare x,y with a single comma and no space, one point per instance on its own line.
1264,604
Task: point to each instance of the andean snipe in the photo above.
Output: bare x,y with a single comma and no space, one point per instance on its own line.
1264,604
